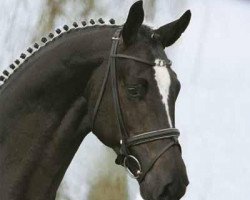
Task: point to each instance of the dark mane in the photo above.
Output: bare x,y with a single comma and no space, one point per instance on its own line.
48,40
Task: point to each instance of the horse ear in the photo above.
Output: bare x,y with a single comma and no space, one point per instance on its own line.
171,32
133,23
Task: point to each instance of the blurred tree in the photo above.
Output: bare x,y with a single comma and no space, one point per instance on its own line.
54,9
111,183
88,8
51,10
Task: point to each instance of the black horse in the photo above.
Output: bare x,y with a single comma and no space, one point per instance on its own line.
115,81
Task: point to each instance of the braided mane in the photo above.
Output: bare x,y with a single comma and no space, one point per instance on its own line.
58,33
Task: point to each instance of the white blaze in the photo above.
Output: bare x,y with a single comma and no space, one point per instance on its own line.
163,80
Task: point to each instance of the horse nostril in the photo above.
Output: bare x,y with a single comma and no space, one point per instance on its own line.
165,192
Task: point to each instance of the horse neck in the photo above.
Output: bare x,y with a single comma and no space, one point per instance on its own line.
44,115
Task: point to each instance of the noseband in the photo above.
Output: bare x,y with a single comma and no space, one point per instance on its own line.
124,157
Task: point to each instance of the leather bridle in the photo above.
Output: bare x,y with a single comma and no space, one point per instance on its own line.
124,157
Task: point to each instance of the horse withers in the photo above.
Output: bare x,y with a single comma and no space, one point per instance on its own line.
115,81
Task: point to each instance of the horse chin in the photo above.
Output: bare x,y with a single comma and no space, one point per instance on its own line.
150,191
146,195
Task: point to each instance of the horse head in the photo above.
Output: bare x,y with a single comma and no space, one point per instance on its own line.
133,108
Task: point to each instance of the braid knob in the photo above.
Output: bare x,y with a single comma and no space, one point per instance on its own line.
66,27
112,21
23,56
44,39
75,24
51,35
84,23
30,50
17,62
12,66
58,31
92,21
6,73
36,45
2,78
101,21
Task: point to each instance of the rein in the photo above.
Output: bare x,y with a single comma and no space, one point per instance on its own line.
124,157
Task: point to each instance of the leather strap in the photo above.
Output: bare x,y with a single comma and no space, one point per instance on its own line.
133,58
151,164
105,79
115,93
99,98
153,136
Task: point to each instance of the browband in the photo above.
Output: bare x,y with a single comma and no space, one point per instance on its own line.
133,58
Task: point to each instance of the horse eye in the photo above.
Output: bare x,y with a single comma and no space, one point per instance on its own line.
133,91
